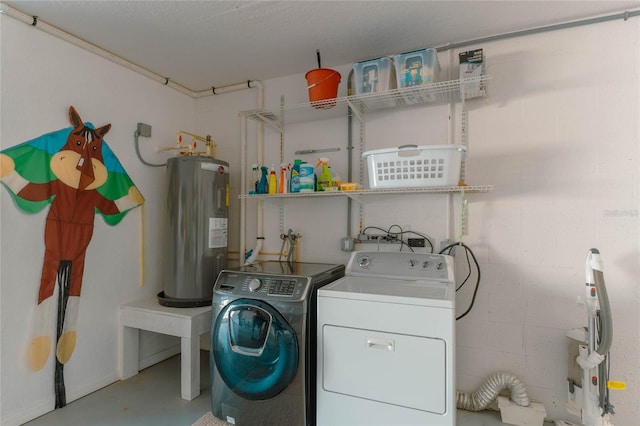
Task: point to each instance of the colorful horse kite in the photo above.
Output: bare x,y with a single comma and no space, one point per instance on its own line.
76,172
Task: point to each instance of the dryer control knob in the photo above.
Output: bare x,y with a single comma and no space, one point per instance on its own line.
364,261
254,285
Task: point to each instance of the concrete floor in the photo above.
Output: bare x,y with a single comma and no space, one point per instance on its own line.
150,398
153,398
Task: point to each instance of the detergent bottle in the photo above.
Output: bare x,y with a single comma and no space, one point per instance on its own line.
324,181
273,180
307,178
263,184
335,179
294,181
283,187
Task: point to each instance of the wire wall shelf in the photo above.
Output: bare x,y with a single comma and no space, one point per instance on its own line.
396,99
465,189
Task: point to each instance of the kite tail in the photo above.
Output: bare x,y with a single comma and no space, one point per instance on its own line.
64,284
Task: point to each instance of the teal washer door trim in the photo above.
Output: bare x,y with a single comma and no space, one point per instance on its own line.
255,349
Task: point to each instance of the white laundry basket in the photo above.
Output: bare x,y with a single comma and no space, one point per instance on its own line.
413,166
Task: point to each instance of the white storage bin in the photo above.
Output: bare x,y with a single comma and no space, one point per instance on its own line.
412,166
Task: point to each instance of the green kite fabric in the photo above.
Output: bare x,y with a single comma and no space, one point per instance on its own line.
74,172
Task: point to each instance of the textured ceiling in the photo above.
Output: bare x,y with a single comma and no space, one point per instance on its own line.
200,44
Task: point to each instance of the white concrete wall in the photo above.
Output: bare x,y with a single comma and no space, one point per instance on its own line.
41,76
557,137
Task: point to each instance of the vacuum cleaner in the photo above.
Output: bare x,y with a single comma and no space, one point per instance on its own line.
588,375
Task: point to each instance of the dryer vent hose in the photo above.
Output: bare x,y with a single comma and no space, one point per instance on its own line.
490,389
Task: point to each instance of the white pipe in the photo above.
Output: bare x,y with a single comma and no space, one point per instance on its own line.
260,210
249,84
243,186
70,38
244,171
76,41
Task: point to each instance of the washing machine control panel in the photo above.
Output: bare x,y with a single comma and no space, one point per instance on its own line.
262,285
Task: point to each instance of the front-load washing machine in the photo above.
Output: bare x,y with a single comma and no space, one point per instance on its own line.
263,342
386,336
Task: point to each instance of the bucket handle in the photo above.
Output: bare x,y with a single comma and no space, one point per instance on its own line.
322,81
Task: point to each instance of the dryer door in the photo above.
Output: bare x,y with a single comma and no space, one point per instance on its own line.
254,348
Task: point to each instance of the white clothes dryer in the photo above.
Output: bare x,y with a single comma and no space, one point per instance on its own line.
386,337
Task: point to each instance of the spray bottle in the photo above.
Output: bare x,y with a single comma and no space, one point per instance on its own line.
262,185
323,174
283,186
294,182
273,180
255,172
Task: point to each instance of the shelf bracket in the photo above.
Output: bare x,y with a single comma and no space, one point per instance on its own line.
269,122
355,197
354,110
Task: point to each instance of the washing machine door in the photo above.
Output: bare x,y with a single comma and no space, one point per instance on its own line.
254,348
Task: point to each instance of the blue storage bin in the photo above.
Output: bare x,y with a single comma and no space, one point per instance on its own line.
417,67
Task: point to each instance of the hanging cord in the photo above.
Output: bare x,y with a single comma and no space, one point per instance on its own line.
447,250
399,235
136,135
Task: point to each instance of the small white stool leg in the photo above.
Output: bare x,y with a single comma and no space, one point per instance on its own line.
129,352
190,367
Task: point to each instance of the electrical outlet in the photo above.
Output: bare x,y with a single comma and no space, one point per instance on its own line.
378,239
144,130
416,242
347,244
444,244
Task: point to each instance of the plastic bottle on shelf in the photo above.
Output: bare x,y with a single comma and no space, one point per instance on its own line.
255,172
273,180
263,184
323,175
335,180
294,181
283,186
307,178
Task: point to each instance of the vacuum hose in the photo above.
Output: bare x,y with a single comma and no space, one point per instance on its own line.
601,346
490,389
606,334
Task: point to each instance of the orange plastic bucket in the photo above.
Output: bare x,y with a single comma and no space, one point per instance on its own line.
322,84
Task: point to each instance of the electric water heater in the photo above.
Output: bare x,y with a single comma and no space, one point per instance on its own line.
196,234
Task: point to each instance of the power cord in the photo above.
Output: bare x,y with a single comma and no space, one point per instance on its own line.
399,235
136,144
447,250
